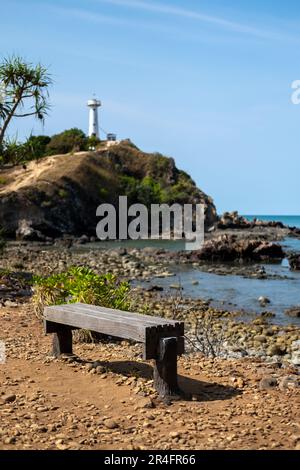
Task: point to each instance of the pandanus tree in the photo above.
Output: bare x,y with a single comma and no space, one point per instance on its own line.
23,91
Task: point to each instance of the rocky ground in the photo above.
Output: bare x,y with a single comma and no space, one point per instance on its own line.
104,399
255,336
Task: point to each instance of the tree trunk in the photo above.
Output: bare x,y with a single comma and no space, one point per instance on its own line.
7,121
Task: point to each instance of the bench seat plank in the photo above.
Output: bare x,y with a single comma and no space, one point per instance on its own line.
113,322
99,311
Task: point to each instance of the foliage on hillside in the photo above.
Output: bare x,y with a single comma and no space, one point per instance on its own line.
35,147
60,194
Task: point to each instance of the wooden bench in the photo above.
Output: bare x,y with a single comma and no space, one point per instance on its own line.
162,338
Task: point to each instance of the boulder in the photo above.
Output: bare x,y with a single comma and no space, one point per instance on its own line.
229,248
294,260
233,220
264,301
26,232
293,312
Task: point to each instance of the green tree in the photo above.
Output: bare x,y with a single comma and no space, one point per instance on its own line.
67,141
24,91
92,142
36,146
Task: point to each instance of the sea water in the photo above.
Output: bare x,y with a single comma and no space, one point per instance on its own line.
290,220
232,291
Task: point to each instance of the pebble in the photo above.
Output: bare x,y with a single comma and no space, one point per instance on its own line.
268,383
110,424
289,382
8,398
145,403
9,440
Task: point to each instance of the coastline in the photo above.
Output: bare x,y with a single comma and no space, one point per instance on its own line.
249,333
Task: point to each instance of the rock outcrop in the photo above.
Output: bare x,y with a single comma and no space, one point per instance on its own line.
293,312
59,195
232,220
229,248
294,260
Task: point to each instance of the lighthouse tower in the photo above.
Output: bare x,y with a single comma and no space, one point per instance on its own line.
93,104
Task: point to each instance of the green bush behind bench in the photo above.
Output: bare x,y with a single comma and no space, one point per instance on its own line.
81,284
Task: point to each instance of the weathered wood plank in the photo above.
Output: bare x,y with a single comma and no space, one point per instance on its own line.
93,309
111,322
108,326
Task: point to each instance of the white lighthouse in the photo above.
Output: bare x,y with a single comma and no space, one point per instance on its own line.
93,104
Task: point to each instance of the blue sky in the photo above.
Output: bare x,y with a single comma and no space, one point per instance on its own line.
207,82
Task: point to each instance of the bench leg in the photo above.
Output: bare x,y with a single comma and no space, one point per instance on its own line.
62,341
165,369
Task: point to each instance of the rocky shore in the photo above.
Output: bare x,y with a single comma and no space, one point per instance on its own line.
243,385
239,336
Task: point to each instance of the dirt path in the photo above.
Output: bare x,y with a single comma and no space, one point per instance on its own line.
62,404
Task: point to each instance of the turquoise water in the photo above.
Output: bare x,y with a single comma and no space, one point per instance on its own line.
290,220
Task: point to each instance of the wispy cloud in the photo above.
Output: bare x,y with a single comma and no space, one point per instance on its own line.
100,18
169,28
163,8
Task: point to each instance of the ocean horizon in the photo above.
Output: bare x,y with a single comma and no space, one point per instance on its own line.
290,220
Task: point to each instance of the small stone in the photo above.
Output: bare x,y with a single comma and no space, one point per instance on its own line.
260,338
289,382
110,424
100,369
61,445
267,383
96,364
196,398
145,403
10,303
274,350
146,424
42,429
8,398
174,434
9,440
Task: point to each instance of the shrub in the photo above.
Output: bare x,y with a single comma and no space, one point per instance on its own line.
80,284
62,193
92,142
16,152
146,191
36,146
12,151
67,141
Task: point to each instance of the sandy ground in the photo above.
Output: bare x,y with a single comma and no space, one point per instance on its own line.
47,403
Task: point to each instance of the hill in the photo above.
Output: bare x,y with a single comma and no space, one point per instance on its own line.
59,195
